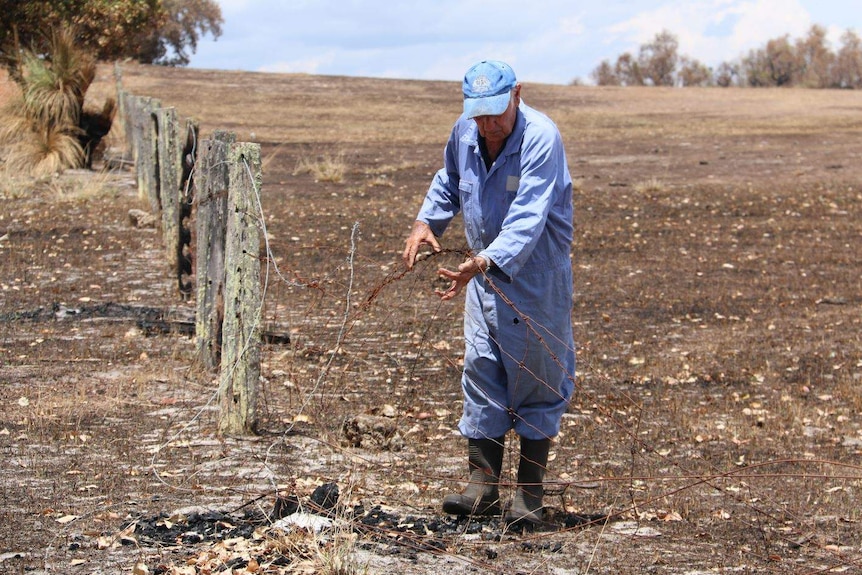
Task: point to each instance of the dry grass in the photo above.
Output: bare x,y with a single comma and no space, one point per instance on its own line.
83,187
45,150
312,553
34,148
326,168
54,90
650,186
41,127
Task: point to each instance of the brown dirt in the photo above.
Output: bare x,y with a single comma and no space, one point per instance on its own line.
717,317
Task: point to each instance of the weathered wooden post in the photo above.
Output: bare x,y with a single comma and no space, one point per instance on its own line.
169,165
240,365
132,105
122,108
185,266
146,160
211,184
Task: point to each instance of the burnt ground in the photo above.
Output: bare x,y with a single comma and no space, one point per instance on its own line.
716,427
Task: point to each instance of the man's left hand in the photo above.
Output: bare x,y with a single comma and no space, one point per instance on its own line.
466,271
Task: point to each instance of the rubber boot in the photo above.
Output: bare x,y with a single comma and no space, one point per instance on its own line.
527,503
482,495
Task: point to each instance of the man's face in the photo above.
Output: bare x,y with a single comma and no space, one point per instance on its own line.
495,129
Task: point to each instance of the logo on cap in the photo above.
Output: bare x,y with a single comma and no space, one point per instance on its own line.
481,84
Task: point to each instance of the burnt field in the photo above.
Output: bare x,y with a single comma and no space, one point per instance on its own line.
717,423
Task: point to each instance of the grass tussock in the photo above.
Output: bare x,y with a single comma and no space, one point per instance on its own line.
41,126
326,168
650,186
92,186
330,554
54,91
12,185
46,150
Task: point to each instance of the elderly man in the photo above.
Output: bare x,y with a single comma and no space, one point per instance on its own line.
505,171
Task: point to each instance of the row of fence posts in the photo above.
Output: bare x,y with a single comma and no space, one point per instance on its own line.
205,198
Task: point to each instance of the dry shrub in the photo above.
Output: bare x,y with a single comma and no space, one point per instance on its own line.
45,150
54,89
325,553
650,186
327,168
13,121
12,185
381,180
84,186
41,126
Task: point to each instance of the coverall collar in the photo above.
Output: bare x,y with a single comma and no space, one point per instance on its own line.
513,142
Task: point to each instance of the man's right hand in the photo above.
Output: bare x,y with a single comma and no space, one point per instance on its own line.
420,235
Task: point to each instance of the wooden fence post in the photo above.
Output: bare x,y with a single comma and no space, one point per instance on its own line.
186,269
211,184
131,105
169,158
240,366
146,162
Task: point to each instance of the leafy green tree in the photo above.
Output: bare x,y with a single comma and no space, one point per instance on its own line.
150,31
176,39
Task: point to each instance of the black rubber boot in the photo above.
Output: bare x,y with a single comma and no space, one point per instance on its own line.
527,503
482,495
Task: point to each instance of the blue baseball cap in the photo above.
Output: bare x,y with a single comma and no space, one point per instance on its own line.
487,88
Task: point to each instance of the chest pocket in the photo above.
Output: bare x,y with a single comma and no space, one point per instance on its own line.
466,188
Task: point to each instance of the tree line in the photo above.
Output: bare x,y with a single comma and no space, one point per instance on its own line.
806,62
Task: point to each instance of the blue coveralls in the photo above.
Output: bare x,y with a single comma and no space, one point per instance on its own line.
519,361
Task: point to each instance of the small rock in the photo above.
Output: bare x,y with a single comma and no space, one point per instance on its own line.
142,219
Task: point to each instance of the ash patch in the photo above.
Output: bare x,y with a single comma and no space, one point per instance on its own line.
195,527
321,517
150,320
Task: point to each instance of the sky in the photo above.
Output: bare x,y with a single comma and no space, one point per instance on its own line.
545,41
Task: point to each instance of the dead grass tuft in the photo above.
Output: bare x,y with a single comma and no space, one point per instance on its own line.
327,168
93,185
650,186
45,151
54,90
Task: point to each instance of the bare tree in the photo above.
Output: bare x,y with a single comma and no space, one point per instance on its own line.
774,65
726,75
628,71
605,75
847,68
658,59
806,62
693,72
814,59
